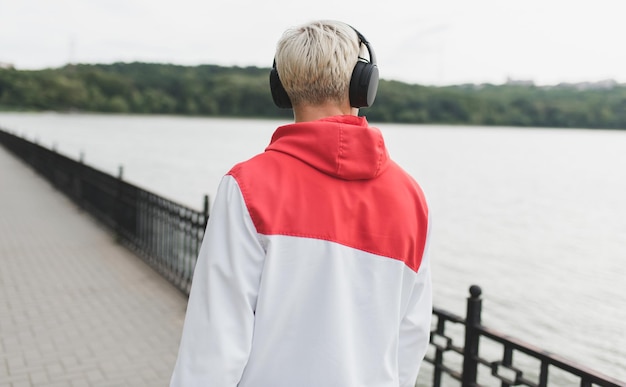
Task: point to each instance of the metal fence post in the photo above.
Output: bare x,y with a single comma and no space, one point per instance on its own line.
206,211
470,352
118,207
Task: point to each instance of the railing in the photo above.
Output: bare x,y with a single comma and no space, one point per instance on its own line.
487,356
167,235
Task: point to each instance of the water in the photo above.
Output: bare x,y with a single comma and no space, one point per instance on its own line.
536,217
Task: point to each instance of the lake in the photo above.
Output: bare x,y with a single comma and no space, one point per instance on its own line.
535,216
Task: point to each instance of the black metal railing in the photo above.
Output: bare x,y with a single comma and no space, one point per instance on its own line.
486,357
168,236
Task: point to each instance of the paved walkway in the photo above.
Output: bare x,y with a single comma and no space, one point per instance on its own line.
76,309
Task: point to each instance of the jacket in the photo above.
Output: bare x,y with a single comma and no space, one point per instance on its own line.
314,270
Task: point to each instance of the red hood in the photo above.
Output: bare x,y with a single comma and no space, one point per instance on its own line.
341,146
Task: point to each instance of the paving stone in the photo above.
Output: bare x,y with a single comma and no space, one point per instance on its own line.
76,308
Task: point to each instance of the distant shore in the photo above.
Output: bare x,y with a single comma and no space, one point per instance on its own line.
216,91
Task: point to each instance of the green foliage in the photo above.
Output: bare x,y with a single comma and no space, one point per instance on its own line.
234,91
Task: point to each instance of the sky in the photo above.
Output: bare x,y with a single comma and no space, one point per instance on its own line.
435,42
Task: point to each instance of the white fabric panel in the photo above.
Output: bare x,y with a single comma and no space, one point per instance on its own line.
274,311
219,323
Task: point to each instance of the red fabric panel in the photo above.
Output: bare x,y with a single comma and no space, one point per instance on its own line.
385,216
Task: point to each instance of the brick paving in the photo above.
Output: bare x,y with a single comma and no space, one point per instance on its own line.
76,309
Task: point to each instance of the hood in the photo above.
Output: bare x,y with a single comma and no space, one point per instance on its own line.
345,147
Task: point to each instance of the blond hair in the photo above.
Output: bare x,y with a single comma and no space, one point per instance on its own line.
315,61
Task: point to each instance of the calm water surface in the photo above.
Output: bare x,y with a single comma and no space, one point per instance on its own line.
536,217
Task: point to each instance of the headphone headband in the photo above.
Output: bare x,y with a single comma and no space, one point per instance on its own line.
363,83
364,42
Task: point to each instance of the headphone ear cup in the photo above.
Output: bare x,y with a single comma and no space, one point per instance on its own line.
363,84
279,95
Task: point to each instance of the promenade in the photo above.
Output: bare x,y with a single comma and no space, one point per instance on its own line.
76,309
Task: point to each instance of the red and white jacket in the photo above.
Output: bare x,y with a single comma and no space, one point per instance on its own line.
314,270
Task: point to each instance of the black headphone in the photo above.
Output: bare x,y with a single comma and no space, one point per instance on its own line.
363,84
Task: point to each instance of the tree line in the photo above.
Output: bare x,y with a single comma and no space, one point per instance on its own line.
212,90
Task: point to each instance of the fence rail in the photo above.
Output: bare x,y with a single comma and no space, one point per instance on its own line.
168,235
487,356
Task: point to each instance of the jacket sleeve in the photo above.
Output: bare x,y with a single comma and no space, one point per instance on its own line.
415,326
217,333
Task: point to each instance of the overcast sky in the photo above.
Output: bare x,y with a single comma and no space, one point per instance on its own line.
434,42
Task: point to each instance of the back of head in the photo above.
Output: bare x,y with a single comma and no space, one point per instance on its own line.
315,61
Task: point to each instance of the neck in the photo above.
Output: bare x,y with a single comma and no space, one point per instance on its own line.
305,112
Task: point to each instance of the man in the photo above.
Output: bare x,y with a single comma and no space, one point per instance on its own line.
313,270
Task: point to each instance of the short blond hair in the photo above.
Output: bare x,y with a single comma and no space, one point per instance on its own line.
315,61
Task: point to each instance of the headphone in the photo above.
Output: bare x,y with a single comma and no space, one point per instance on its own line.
363,83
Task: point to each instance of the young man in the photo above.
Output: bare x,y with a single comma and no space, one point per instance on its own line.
314,269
